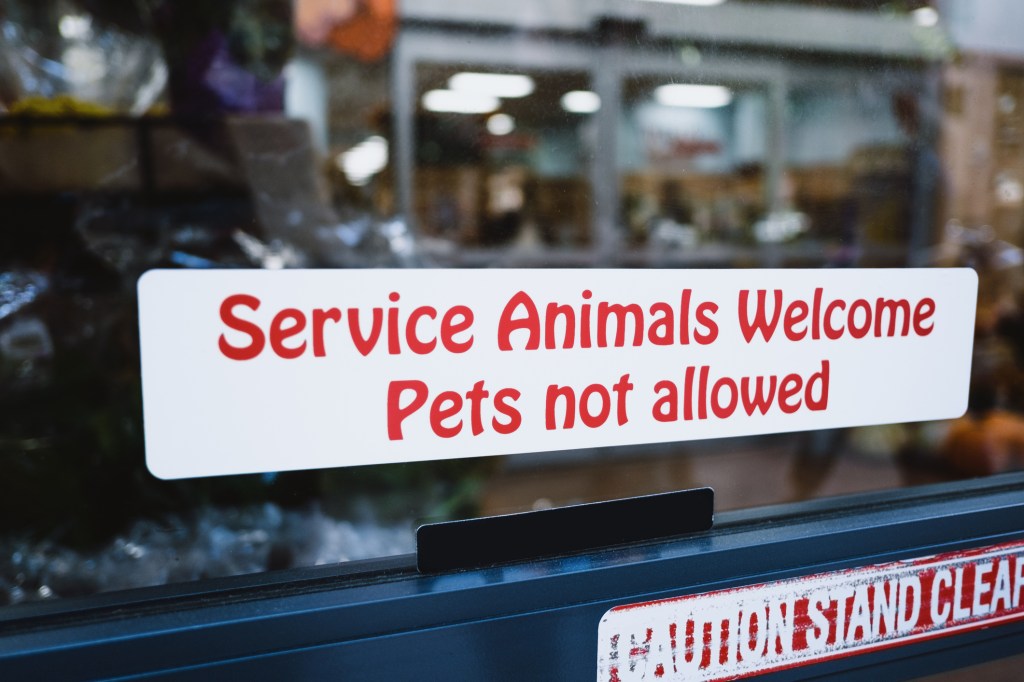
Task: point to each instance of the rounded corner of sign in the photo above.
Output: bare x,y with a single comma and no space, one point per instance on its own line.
971,274
145,278
607,614
158,472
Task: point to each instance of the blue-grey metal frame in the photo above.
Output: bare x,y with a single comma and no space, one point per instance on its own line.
537,620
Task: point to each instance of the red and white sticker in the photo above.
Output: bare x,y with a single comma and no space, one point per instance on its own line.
746,631
247,371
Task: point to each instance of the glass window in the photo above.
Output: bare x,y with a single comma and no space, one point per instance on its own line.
273,134
692,163
494,172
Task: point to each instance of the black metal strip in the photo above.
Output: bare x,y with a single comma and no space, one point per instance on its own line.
476,543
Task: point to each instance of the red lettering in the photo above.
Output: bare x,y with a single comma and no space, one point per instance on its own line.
279,332
758,399
821,379
816,314
923,312
760,322
789,387
320,318
607,310
227,316
450,327
585,320
851,323
892,307
666,407
446,407
530,322
411,339
830,331
660,332
439,412
688,388
396,412
554,393
796,314
702,389
503,400
290,323
394,347
704,318
475,396
591,419
724,411
684,317
365,344
621,388
550,320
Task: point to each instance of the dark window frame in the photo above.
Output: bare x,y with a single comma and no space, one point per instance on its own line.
380,619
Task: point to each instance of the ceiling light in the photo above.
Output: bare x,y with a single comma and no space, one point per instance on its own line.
698,3
75,26
581,102
698,96
500,124
454,102
925,16
366,159
496,84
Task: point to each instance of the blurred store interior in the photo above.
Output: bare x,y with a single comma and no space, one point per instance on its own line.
472,133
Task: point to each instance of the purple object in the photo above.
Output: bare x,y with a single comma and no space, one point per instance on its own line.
212,82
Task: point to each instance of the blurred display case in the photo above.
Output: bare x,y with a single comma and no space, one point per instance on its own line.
690,151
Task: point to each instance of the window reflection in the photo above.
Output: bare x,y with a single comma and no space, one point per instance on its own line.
502,158
691,165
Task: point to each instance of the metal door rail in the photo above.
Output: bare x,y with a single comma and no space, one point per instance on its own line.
528,621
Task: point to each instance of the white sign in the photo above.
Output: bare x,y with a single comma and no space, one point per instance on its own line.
747,631
254,371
